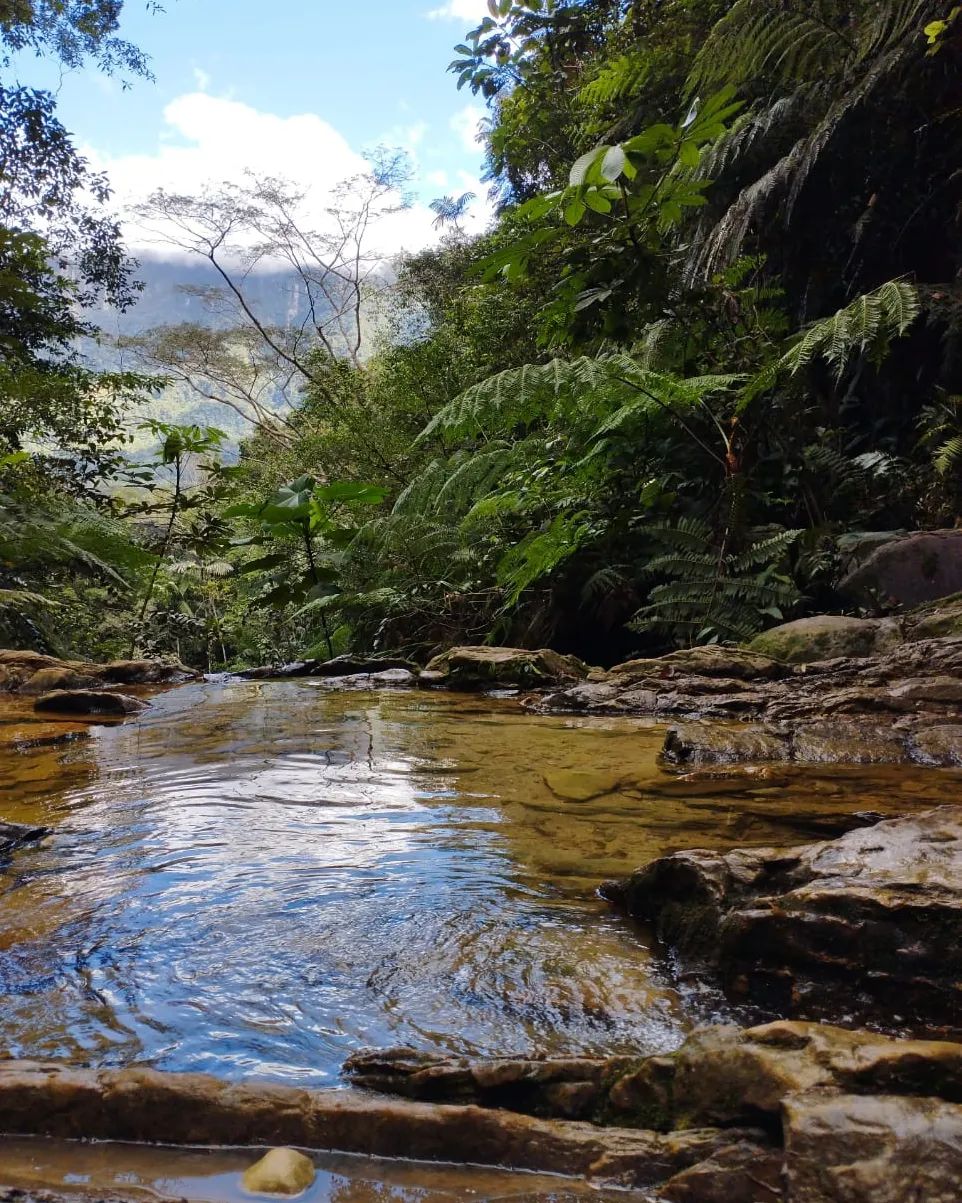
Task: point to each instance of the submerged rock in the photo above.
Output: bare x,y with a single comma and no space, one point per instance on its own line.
869,923
280,1172
491,667
14,835
91,702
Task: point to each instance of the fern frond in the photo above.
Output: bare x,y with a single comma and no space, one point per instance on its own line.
867,326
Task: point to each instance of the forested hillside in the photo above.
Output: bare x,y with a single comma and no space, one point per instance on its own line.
713,329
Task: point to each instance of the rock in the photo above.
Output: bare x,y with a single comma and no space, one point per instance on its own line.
32,673
580,785
848,743
910,569
145,1105
491,667
872,1150
798,1082
739,1173
867,924
391,678
280,1172
14,835
738,664
45,680
936,620
91,702
940,745
280,672
827,637
710,743
351,665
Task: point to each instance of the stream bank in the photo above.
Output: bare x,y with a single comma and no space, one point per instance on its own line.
259,876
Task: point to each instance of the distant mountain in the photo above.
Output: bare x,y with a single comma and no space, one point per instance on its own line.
173,294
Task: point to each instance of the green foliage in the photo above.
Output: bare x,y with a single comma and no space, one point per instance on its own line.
865,327
712,594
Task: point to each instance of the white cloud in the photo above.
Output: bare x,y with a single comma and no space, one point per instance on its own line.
201,79
466,125
460,10
209,140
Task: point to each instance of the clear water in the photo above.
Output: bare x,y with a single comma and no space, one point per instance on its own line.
260,878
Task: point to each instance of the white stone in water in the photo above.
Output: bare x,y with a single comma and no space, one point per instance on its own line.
279,1172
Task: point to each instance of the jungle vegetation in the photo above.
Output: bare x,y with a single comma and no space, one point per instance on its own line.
713,330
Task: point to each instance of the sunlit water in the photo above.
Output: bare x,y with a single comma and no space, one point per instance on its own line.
261,878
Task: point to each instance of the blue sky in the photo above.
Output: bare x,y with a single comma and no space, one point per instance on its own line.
298,89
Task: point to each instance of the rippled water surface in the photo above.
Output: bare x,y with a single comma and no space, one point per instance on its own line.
259,878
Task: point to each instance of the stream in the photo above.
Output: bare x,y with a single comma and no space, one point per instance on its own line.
259,878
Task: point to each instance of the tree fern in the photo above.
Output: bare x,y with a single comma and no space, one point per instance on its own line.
865,327
711,594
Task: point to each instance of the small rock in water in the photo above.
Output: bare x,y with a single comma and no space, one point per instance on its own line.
279,1172
580,785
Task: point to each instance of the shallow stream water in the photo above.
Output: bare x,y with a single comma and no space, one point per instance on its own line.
259,878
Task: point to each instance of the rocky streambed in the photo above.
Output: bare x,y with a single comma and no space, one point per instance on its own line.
791,851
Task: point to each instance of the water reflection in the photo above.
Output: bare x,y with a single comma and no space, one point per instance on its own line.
262,877
213,1176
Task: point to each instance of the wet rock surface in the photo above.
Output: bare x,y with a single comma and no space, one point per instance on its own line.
88,702
143,1105
339,667
32,674
15,835
899,706
847,1114
868,924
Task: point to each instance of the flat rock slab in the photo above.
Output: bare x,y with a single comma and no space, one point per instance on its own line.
144,1105
869,923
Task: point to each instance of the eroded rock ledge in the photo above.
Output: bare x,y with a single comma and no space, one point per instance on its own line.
848,1115
869,924
143,1105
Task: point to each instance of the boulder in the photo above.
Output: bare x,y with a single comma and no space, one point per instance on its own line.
88,702
910,569
32,673
935,621
869,924
494,667
279,1172
827,637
